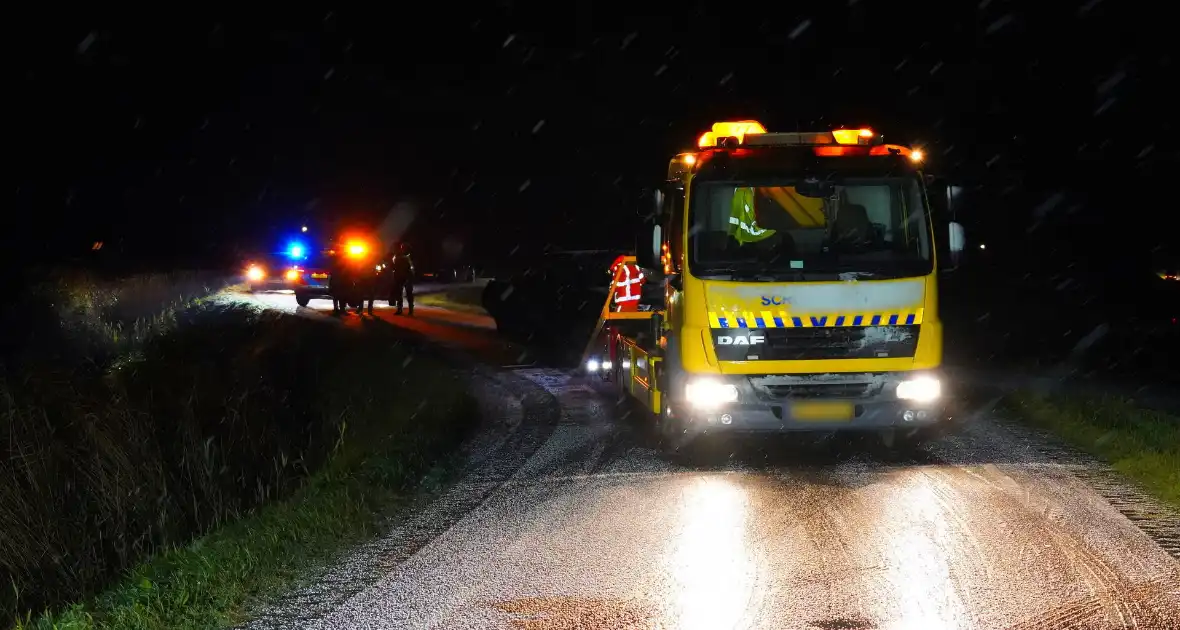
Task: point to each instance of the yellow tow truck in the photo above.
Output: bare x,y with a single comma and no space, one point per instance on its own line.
790,284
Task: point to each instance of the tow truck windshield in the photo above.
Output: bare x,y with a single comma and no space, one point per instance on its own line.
776,230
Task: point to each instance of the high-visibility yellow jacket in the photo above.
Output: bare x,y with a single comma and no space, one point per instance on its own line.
743,226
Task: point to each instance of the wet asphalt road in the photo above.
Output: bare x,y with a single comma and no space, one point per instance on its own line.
566,518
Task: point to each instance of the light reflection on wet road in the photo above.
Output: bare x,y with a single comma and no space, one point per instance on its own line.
566,518
469,332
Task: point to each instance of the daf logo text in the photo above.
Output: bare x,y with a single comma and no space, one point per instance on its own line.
749,340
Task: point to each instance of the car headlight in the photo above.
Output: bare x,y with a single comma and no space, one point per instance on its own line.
255,273
707,393
921,389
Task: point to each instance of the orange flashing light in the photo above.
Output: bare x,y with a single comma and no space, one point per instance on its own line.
255,273
293,274
852,136
690,159
914,155
835,151
730,129
357,249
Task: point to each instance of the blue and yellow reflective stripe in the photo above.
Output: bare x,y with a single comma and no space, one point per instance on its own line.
783,319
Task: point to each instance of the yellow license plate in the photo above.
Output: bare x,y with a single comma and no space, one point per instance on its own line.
319,276
823,411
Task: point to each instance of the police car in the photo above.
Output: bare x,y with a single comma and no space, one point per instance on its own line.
313,278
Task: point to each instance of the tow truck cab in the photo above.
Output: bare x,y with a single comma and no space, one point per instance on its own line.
800,282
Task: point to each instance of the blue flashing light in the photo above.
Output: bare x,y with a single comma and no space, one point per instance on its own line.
296,251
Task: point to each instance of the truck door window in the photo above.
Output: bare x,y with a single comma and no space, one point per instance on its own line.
673,213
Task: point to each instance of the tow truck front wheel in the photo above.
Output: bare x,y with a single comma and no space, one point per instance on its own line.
669,433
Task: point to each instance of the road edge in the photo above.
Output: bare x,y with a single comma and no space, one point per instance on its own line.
516,417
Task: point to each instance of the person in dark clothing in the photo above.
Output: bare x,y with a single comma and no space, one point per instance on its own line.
338,283
366,287
403,278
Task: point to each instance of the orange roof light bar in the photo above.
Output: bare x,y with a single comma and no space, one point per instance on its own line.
730,129
853,136
837,151
915,155
863,141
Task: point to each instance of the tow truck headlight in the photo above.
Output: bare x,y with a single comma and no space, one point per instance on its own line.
707,393
921,389
255,273
593,365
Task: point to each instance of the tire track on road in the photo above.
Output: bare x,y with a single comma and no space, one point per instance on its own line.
501,447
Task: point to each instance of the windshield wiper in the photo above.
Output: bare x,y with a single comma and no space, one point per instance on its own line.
856,275
760,275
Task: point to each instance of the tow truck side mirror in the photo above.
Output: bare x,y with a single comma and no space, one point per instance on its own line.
647,252
956,245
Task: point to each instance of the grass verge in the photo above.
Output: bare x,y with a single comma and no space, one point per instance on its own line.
1141,444
214,581
468,299
174,481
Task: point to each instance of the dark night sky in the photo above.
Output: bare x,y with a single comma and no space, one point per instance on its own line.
182,133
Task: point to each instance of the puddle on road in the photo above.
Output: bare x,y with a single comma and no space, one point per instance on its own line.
568,613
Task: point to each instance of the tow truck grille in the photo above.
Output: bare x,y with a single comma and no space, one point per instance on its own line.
871,342
835,390
830,386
